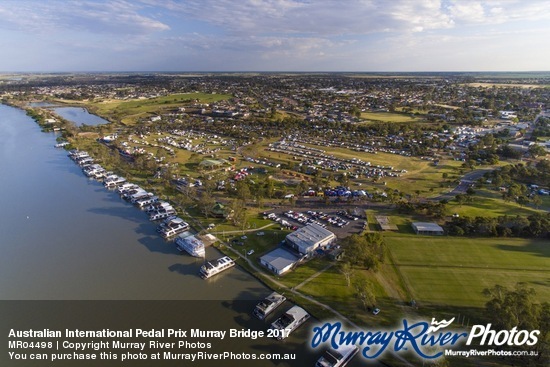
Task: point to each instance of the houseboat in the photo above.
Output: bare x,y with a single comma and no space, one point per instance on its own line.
337,358
289,322
268,305
190,244
172,226
212,268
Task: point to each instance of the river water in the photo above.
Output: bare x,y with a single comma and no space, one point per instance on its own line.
79,116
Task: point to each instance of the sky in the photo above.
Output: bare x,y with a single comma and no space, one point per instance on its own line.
274,35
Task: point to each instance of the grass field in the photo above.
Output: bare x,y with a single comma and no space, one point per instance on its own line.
454,271
389,117
489,203
129,111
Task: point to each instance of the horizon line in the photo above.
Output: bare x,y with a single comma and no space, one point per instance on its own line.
270,72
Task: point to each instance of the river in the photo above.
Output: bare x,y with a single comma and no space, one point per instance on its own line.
65,237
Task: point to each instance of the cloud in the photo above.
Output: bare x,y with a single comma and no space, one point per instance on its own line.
498,12
322,18
114,17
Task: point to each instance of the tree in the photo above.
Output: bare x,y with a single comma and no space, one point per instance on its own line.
365,251
513,308
537,151
269,188
460,198
520,308
347,271
243,190
205,203
363,291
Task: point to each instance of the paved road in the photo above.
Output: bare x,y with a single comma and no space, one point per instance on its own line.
465,182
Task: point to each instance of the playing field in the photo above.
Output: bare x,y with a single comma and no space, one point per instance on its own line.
454,271
389,117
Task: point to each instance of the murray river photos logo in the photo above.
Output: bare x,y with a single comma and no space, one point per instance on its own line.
427,340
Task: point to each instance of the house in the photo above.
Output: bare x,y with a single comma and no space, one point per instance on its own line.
279,261
427,228
309,238
219,210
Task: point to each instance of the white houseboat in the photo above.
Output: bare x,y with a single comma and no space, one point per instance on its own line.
212,268
191,244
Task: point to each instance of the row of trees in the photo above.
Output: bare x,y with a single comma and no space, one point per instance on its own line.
533,226
520,308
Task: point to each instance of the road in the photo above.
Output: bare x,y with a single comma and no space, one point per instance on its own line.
465,182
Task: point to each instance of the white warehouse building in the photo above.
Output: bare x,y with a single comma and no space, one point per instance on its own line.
309,238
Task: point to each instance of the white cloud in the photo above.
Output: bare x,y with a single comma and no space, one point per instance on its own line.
115,17
323,18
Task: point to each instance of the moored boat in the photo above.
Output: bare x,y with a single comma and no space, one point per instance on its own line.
337,358
212,268
190,244
268,305
289,322
172,226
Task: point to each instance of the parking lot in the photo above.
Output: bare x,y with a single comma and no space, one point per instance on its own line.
336,220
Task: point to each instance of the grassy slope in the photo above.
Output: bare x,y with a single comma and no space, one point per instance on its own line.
490,203
129,111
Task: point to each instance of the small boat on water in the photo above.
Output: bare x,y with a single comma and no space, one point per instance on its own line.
337,358
212,268
268,305
289,322
190,244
